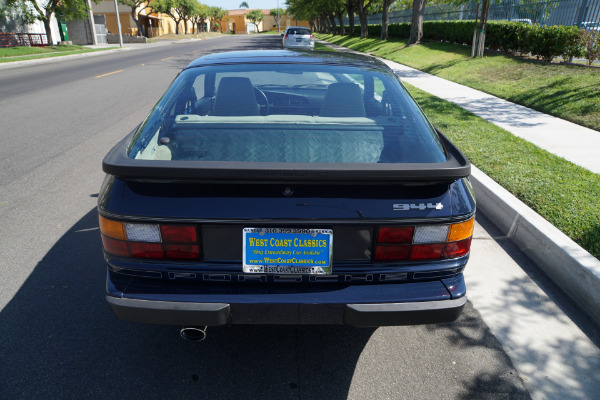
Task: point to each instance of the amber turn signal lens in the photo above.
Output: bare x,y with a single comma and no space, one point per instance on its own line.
461,231
112,229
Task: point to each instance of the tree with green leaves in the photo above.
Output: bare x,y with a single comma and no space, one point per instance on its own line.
14,15
277,13
256,17
199,15
179,10
215,18
65,10
137,6
244,4
307,10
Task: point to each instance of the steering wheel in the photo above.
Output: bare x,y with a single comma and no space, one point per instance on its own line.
261,98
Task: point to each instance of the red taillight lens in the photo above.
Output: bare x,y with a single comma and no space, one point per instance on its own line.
392,253
150,241
395,235
178,234
116,247
182,251
424,242
286,35
146,250
458,249
427,251
312,36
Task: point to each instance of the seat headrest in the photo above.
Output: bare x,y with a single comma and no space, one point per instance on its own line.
343,99
235,97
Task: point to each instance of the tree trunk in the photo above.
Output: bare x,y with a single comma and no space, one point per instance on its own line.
323,23
136,19
474,44
384,19
350,10
48,31
362,17
333,24
482,27
47,19
416,25
176,24
340,17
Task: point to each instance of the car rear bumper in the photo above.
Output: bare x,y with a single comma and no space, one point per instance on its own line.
215,314
299,45
390,304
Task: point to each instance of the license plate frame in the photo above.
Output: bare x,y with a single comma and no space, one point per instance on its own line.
287,251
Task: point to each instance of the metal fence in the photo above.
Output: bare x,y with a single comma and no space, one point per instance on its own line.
23,39
580,13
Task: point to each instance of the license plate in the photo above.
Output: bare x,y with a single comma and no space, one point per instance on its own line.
299,39
287,251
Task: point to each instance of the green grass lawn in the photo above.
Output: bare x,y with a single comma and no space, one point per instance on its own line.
8,54
322,47
566,195
565,91
25,51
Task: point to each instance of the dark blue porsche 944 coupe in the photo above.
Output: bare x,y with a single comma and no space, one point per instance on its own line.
280,187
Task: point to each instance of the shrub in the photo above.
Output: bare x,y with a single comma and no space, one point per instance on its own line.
590,41
544,42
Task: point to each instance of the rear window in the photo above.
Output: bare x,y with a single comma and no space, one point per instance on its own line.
298,31
301,113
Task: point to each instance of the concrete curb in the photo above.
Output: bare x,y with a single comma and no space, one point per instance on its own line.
572,268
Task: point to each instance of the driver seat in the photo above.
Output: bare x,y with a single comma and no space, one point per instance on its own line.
235,97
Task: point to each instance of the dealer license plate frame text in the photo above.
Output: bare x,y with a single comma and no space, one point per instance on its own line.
287,251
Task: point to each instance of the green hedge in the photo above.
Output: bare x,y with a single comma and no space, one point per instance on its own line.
545,42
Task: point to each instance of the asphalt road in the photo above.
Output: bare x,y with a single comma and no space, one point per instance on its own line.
58,338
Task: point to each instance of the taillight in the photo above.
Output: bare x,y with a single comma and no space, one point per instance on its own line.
286,35
149,241
312,36
426,242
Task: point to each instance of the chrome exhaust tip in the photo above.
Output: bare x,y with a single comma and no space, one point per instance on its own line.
193,333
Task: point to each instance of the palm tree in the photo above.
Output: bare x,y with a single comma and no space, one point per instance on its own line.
244,4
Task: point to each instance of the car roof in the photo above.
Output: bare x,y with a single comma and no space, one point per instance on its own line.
287,57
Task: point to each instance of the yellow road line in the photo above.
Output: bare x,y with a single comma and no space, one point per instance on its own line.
168,58
110,73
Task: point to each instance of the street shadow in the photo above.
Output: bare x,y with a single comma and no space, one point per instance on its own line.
60,341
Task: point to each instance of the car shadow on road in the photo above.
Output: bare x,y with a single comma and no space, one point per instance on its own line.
60,340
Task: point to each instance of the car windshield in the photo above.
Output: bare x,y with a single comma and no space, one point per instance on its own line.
282,113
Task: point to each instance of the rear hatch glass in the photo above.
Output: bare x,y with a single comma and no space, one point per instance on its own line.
287,113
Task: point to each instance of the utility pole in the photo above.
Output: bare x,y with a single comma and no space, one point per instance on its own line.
92,23
278,18
119,24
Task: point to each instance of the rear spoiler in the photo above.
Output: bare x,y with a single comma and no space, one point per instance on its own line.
120,165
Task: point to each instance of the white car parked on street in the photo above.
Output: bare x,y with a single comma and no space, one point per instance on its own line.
298,37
